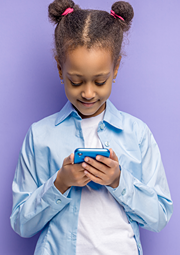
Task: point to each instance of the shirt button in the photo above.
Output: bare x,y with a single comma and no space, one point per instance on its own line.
107,144
75,210
139,246
130,219
73,236
58,201
102,126
123,192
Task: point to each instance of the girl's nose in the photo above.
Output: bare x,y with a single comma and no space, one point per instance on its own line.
88,92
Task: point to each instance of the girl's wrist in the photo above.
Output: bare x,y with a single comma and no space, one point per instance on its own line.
115,183
60,185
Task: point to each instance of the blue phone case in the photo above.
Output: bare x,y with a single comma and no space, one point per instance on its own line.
81,153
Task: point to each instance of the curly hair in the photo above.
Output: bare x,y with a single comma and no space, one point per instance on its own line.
89,28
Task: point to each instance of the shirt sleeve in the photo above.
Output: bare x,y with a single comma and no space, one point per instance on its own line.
33,205
146,201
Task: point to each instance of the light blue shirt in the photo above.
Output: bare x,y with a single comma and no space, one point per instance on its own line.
38,205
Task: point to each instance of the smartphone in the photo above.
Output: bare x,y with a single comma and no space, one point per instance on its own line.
81,153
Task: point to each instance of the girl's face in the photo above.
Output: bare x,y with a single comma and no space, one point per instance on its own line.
88,76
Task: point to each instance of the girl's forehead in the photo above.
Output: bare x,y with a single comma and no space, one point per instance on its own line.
83,59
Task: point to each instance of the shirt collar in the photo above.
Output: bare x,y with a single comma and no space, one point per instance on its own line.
112,116
65,112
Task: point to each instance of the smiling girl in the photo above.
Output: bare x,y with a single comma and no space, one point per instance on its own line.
95,207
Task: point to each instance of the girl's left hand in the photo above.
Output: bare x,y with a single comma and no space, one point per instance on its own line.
104,171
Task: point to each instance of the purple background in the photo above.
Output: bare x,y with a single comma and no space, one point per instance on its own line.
147,86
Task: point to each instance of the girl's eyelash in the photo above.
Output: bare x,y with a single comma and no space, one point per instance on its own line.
97,83
100,84
75,84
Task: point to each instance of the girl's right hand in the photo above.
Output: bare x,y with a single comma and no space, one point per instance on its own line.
70,175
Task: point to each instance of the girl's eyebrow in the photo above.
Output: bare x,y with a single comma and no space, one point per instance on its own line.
101,74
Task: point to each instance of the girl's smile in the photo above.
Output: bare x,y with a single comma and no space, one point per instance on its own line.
88,76
86,104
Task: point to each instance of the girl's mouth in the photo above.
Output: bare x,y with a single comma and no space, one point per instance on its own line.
87,104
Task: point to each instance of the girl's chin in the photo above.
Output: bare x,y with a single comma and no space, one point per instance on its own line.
90,110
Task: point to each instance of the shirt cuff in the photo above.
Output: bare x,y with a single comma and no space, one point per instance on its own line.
123,193
53,197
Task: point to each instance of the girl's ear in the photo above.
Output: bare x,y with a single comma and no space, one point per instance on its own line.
59,68
117,67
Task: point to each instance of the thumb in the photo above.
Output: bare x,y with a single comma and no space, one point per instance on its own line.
113,155
69,160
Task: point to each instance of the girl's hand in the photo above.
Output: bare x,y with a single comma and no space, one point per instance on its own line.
70,175
104,171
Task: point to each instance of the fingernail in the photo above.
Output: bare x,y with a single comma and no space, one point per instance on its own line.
84,165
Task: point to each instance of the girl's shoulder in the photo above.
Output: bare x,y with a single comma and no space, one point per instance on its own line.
45,124
124,119
49,124
134,125
125,122
131,120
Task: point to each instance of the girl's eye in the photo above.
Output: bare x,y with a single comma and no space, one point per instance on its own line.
76,84
100,84
97,83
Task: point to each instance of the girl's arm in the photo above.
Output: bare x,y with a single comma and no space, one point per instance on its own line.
146,201
33,205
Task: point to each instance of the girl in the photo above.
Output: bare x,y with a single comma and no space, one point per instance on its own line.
94,207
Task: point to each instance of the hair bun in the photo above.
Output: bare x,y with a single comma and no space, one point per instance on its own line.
125,10
58,7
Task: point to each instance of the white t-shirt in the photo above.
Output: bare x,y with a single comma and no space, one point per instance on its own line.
103,227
